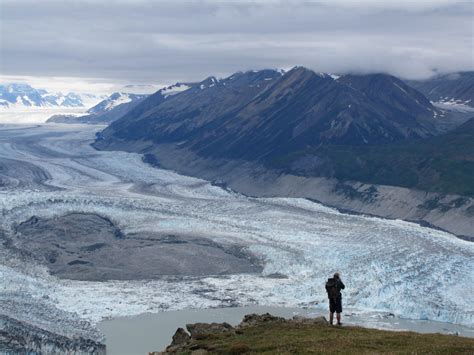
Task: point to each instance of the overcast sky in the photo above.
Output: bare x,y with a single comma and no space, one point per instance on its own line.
103,43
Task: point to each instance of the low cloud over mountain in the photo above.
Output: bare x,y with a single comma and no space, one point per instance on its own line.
166,41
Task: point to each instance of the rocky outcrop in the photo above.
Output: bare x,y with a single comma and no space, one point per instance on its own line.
198,330
254,319
184,342
180,337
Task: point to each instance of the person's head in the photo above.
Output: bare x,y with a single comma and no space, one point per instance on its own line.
337,275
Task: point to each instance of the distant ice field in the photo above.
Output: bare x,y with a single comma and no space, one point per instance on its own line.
31,115
387,265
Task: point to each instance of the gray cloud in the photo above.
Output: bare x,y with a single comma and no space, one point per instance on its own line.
164,41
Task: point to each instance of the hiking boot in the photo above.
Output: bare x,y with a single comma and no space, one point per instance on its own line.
339,323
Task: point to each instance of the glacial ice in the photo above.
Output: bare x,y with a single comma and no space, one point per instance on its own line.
387,265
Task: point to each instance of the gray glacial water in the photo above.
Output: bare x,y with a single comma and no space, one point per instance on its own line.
51,171
153,332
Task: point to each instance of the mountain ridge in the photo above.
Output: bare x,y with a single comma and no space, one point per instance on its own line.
111,108
453,87
114,100
229,117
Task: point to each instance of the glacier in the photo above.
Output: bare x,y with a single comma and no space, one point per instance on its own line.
387,265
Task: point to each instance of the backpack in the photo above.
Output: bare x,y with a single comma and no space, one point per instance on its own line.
332,289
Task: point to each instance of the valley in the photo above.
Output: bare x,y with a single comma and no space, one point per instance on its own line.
366,143
277,251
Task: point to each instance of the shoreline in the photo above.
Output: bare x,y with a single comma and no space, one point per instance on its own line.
153,331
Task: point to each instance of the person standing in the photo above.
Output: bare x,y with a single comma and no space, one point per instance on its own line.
334,286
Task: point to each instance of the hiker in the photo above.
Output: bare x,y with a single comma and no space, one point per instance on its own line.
334,286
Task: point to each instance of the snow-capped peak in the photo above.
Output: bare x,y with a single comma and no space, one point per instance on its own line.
329,75
114,100
117,99
19,95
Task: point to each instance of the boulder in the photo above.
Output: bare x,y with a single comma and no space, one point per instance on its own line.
198,330
180,337
252,319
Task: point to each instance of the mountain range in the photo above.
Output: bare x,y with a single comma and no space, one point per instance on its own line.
305,123
256,115
25,96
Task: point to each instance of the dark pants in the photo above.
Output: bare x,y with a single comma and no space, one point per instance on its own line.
335,305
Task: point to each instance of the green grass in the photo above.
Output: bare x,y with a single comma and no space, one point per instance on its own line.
290,338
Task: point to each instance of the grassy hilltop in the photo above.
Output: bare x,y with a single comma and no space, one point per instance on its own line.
271,335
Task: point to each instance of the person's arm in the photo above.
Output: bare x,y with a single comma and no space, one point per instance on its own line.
342,285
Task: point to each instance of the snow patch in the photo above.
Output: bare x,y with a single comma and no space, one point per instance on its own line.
174,89
402,89
122,99
451,104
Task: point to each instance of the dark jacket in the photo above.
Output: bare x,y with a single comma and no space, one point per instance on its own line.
334,286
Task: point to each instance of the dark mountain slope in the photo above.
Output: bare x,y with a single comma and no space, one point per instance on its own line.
394,98
263,115
308,109
370,128
443,163
456,87
175,118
